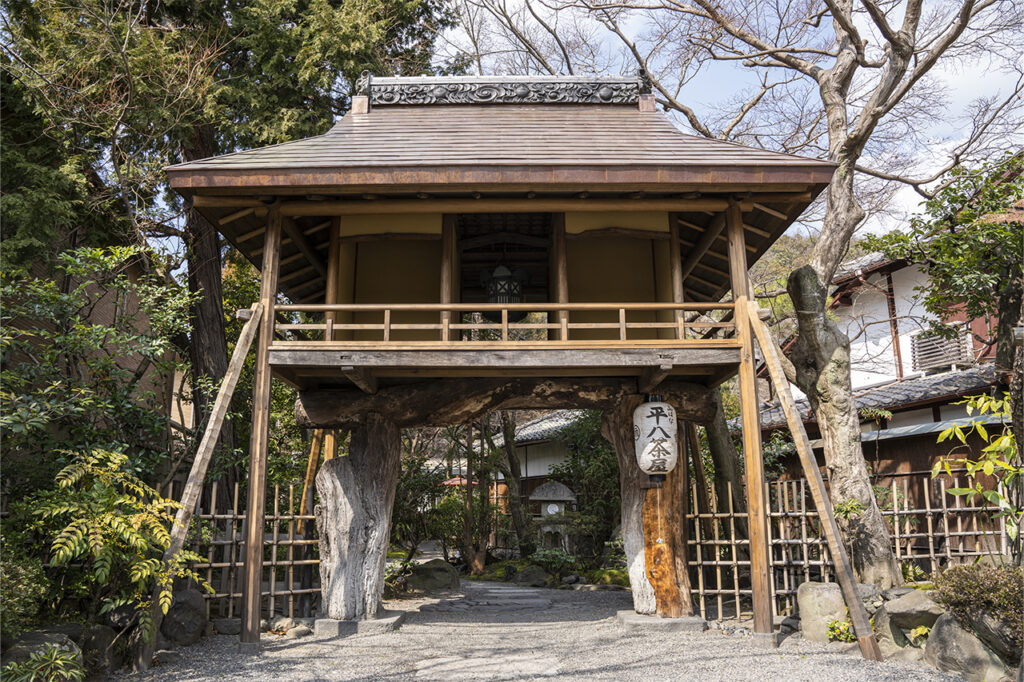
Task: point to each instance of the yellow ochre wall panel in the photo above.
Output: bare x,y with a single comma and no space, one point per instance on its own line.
653,221
403,271
610,270
399,223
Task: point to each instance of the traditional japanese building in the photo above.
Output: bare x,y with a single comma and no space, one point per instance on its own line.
456,245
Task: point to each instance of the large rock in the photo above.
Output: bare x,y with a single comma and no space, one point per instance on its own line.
99,649
38,641
996,634
186,619
886,631
817,604
436,574
532,576
227,626
953,649
913,609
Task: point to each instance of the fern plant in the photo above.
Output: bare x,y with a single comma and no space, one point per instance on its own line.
50,665
117,528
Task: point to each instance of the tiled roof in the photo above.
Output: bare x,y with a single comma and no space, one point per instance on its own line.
866,263
901,393
543,428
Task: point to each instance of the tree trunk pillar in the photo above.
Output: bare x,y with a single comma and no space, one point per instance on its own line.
617,428
253,584
357,494
757,518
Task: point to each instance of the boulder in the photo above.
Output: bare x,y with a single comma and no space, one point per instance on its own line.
299,631
532,576
122,617
281,624
571,579
789,624
886,631
896,592
227,626
74,631
436,574
817,604
38,641
995,633
186,619
913,609
101,654
951,648
871,596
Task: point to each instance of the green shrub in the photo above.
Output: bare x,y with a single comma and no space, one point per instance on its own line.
23,586
554,561
840,631
609,576
51,665
998,590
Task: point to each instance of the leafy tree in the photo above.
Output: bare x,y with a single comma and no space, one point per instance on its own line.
591,470
970,249
413,516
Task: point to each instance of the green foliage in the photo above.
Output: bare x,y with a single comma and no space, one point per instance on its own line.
919,635
591,471
555,561
970,260
912,573
23,586
776,450
840,630
998,590
109,533
609,576
876,414
999,460
413,517
849,508
51,665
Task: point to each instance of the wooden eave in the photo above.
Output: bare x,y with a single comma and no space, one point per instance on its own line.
530,158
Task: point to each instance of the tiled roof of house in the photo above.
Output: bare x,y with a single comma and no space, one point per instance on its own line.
902,393
543,428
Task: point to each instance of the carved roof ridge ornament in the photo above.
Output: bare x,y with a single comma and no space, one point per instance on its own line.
420,90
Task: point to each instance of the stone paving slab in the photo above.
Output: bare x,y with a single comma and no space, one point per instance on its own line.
487,667
329,627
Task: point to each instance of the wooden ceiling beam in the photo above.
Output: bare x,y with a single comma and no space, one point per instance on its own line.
302,242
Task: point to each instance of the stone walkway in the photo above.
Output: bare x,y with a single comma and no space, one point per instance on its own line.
496,631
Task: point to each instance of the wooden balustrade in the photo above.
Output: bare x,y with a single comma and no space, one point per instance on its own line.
452,327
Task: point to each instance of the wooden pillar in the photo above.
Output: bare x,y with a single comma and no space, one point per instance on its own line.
330,438
760,575
260,435
448,257
561,274
676,270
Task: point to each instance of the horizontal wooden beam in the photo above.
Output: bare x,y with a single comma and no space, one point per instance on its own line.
456,401
651,377
725,353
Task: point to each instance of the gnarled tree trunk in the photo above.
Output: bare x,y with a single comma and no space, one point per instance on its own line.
821,362
617,427
728,477
357,494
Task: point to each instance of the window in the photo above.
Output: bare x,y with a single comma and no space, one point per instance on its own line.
931,351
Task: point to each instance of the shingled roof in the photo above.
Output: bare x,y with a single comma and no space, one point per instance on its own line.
900,394
548,141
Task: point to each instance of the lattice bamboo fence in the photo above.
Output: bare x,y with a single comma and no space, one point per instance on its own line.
929,528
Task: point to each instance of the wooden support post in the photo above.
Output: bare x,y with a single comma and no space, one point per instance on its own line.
447,273
676,271
305,502
651,377
844,571
561,272
333,277
757,510
704,504
260,436
201,462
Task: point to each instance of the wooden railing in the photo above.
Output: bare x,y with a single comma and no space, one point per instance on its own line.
460,323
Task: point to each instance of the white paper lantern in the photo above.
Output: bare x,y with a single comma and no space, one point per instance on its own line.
654,432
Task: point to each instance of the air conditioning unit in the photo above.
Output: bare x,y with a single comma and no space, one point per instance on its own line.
930,351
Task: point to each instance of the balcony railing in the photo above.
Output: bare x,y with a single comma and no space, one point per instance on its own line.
463,325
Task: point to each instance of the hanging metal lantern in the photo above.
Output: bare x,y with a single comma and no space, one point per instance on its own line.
505,286
654,433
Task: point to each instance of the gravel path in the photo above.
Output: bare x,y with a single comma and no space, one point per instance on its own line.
496,631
